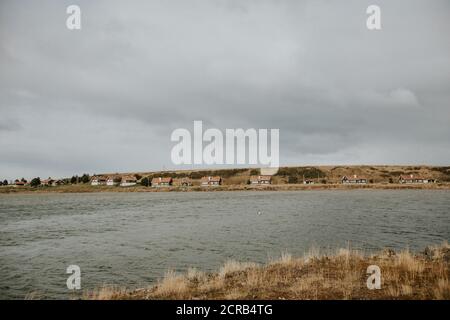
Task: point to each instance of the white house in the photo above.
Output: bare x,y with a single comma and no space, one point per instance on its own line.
414,179
128,181
354,179
162,182
113,180
211,181
261,179
98,181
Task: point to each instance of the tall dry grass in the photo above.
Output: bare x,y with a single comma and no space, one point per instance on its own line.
315,275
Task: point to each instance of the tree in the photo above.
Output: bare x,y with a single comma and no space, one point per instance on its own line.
85,178
35,182
5,182
391,180
138,176
145,182
74,179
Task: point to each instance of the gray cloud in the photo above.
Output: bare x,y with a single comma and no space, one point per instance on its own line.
106,98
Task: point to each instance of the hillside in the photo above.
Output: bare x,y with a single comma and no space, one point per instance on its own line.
319,174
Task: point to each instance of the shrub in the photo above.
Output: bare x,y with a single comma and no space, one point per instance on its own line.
145,182
306,172
35,182
293,179
85,178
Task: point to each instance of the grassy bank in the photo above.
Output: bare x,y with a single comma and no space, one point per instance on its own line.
87,188
340,275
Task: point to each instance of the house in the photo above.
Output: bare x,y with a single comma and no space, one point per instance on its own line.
186,182
211,181
20,183
261,180
414,179
308,181
354,179
128,181
47,182
56,183
162,182
113,180
98,181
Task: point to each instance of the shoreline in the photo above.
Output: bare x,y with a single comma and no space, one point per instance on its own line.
339,275
273,187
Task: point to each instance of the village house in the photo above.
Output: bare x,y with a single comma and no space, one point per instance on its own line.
113,180
354,179
98,181
211,181
20,183
162,182
128,181
261,180
186,182
47,182
414,179
57,182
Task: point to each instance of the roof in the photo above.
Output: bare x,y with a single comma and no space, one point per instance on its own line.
161,180
411,177
260,178
98,178
114,178
211,179
129,178
354,177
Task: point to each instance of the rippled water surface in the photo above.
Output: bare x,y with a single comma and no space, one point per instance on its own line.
131,239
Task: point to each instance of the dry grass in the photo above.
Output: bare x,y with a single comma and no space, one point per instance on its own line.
314,276
106,293
172,285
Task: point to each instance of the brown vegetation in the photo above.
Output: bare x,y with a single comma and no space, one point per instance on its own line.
341,275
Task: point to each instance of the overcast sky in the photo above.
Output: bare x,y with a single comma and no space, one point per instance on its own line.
107,97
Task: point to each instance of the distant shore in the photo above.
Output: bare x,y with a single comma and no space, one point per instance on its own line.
237,179
87,188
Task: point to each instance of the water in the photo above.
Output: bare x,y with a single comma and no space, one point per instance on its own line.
132,239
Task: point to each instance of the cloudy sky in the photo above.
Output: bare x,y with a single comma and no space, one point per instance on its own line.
107,97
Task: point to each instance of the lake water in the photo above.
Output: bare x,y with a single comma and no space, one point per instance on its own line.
132,239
